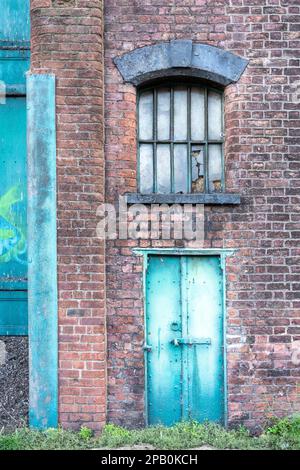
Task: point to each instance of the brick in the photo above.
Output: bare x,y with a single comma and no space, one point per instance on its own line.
70,32
259,158
261,153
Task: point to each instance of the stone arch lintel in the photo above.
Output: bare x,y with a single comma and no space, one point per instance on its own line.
180,58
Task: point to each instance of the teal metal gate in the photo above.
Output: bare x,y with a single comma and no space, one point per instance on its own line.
14,62
184,339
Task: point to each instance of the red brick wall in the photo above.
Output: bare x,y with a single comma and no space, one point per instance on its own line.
67,41
261,163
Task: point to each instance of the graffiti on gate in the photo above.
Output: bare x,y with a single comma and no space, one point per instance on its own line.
12,227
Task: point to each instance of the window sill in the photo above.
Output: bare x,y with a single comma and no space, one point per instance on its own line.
211,199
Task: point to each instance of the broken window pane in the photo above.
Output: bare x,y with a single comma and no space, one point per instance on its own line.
197,114
163,169
146,116
215,167
214,115
198,182
180,169
163,114
146,168
180,113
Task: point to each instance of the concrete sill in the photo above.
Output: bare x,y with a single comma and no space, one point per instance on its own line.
211,199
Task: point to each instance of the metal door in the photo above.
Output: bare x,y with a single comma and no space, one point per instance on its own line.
184,339
14,62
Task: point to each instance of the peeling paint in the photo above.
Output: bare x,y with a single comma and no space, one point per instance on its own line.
42,303
185,361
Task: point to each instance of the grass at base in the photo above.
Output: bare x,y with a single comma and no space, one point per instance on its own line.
284,434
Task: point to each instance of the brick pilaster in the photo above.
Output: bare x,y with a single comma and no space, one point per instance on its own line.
67,40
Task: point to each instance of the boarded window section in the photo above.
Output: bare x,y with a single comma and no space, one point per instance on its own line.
180,134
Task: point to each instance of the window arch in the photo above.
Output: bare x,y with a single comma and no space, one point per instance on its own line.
180,139
201,180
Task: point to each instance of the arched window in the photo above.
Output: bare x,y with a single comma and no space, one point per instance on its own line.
180,124
180,139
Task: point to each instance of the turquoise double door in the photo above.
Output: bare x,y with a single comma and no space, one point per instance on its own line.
184,339
14,63
13,223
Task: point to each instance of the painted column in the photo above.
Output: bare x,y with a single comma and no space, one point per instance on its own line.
42,256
